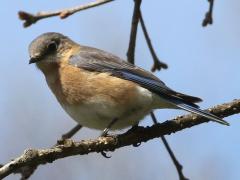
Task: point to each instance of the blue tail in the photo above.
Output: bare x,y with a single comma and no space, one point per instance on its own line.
201,113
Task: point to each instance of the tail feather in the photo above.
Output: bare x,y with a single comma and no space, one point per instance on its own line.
188,98
202,113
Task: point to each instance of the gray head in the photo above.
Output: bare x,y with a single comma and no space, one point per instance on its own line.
48,47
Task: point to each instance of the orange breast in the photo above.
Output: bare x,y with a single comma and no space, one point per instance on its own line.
94,99
72,85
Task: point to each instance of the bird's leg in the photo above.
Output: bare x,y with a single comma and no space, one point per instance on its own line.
105,133
70,133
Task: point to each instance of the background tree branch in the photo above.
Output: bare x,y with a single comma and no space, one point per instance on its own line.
208,20
177,164
30,19
133,34
35,157
157,65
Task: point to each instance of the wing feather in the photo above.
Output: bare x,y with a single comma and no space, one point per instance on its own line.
100,61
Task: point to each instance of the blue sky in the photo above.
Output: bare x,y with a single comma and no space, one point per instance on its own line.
202,61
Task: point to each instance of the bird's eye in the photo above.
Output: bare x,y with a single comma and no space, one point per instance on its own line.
52,46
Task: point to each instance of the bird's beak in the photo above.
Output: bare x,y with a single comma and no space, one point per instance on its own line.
34,60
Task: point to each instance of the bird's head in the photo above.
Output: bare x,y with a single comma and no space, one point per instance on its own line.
49,48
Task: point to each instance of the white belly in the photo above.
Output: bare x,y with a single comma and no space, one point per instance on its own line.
98,112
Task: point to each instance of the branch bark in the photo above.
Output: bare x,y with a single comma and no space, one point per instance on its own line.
35,157
208,20
157,64
177,164
30,19
133,34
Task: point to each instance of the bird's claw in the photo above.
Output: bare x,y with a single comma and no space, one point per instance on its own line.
136,144
104,154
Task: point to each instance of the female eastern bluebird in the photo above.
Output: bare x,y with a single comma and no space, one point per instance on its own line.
94,87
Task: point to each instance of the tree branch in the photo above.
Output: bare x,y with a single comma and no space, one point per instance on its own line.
157,64
30,19
137,15
27,171
35,157
133,35
208,16
178,166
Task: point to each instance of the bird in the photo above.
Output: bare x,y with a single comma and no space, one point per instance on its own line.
98,89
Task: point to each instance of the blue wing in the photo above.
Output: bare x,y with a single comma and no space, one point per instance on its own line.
100,61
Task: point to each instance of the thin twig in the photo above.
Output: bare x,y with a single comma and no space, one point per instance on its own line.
133,35
35,157
30,19
178,166
157,65
208,16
